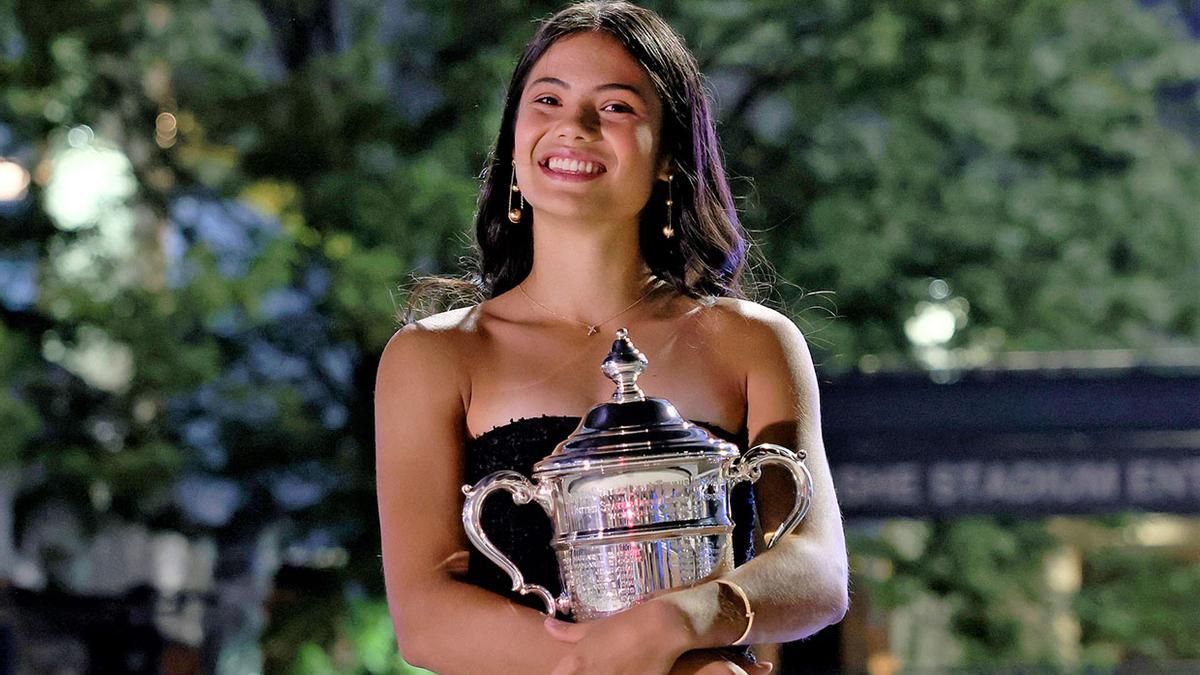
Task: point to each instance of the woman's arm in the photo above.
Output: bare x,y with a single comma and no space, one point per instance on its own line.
441,623
800,585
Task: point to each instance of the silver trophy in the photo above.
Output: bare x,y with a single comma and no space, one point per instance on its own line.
639,498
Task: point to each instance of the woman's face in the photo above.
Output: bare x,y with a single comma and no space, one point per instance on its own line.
588,131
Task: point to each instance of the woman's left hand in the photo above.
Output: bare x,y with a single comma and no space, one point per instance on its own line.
651,638
646,638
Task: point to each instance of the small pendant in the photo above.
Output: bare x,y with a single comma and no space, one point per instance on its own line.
591,331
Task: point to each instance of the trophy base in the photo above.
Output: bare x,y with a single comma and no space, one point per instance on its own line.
603,579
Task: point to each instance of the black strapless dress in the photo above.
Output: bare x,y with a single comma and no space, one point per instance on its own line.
523,532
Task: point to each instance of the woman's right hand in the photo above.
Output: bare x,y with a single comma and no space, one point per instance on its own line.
711,662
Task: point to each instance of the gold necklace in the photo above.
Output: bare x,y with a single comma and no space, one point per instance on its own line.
593,328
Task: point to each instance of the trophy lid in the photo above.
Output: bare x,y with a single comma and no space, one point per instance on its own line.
631,427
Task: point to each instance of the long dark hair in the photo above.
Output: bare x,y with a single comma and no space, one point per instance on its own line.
707,254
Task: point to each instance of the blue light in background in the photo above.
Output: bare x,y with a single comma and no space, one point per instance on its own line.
234,232
283,303
300,486
335,416
208,500
18,282
276,365
337,363
204,435
317,281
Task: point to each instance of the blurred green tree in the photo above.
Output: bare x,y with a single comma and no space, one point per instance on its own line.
201,346
1140,605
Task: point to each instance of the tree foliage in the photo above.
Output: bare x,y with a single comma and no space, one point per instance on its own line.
198,352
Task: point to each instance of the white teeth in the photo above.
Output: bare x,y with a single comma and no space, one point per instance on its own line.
572,165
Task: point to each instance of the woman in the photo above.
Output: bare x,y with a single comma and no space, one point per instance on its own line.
604,205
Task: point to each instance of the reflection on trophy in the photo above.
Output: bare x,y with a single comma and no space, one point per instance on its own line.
639,498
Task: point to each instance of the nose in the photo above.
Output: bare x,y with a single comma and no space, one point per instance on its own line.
582,124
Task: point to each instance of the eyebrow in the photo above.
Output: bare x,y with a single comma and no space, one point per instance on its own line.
621,86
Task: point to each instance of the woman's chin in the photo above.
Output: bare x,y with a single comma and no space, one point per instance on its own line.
590,209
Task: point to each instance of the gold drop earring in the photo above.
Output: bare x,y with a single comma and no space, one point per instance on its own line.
515,212
669,229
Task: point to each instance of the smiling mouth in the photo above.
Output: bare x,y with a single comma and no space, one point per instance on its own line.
573,167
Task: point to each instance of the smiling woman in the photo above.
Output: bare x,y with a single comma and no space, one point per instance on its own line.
595,117
604,205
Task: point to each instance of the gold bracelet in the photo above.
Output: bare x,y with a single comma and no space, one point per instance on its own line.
749,612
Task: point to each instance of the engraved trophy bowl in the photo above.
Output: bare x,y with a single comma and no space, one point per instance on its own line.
638,496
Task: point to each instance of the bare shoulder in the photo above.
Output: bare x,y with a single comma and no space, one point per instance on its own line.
439,332
754,330
431,348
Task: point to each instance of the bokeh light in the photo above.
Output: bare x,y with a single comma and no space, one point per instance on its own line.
14,181
166,128
88,182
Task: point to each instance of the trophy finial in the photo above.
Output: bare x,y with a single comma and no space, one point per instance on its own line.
623,365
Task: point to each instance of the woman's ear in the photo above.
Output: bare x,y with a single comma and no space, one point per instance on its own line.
665,167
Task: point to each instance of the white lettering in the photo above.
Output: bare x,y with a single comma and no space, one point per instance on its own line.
878,485
1153,480
1024,482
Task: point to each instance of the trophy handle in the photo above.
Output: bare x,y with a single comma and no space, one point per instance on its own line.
522,492
749,467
